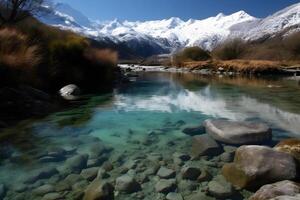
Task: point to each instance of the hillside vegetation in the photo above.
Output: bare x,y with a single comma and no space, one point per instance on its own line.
237,55
47,58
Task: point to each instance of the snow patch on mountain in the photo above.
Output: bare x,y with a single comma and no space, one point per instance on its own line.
168,35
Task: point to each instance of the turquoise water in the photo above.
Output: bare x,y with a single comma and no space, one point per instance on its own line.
163,103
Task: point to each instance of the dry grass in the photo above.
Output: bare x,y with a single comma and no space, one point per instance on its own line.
107,56
242,66
16,51
249,65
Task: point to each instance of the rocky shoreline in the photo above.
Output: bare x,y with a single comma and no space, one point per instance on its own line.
209,70
217,160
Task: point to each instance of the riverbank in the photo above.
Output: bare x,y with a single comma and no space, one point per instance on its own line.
230,67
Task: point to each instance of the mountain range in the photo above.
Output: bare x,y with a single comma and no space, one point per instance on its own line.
146,38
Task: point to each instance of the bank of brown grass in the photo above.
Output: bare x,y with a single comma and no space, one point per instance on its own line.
16,52
242,66
48,58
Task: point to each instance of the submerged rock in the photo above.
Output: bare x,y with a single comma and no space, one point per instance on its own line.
90,173
255,166
76,163
52,196
44,173
205,145
70,92
297,197
220,188
199,196
127,184
290,146
192,131
190,173
282,188
99,190
44,189
2,191
165,186
238,132
174,196
166,173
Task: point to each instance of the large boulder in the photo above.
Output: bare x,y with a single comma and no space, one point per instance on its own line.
290,146
275,190
255,166
238,132
286,197
99,190
204,145
70,92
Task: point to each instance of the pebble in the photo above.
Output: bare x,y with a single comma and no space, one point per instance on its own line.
90,173
191,173
127,184
220,188
76,163
40,174
44,189
165,186
166,173
174,196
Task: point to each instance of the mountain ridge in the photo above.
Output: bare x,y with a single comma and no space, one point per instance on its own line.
170,35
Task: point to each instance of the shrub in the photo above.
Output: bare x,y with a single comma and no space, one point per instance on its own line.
15,51
193,54
230,49
190,54
18,58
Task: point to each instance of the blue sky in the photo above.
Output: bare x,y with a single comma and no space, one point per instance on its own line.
185,9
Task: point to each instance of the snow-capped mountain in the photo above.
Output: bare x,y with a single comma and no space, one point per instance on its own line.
165,36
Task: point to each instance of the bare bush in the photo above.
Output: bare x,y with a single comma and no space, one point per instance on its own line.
12,11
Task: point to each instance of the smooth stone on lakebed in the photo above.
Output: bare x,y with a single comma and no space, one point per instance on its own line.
44,173
255,166
2,191
285,197
165,186
192,131
200,196
90,173
290,146
220,188
52,196
76,163
166,173
233,132
174,196
99,190
127,184
190,173
44,189
274,190
205,145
